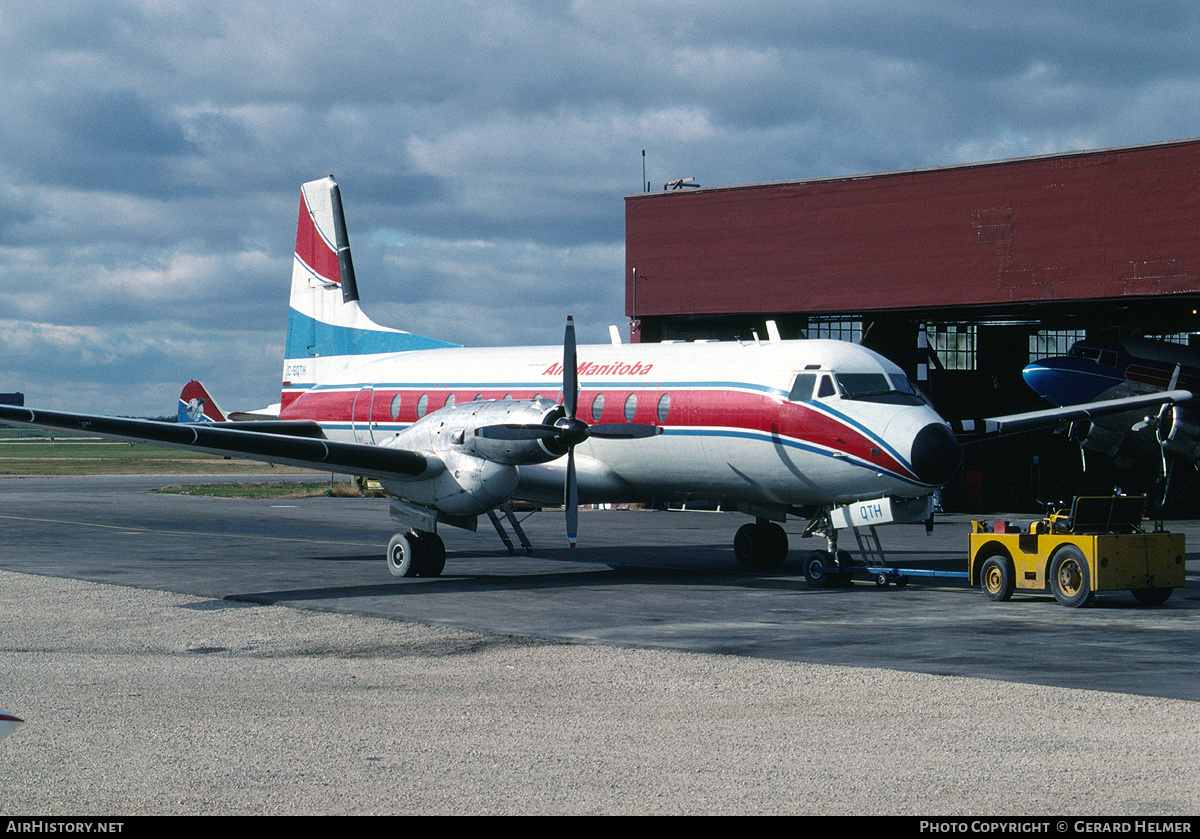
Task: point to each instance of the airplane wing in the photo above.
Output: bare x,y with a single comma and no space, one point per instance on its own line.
1049,417
300,443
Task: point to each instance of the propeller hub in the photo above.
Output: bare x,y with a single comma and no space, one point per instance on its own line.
572,431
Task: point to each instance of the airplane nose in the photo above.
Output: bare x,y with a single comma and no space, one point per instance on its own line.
936,454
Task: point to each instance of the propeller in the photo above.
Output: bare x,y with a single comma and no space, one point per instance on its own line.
569,431
1160,426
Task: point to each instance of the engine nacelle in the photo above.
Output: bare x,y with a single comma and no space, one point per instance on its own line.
452,429
467,486
1179,432
474,474
507,412
1096,438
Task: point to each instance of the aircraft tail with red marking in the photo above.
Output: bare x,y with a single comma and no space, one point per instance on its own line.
327,330
195,405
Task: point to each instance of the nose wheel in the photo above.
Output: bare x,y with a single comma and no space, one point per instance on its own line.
417,553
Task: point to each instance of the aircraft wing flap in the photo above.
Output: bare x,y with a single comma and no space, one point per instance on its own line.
1030,420
298,447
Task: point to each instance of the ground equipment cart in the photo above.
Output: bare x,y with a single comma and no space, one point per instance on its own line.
1098,545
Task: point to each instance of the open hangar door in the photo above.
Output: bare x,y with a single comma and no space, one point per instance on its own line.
973,369
1005,262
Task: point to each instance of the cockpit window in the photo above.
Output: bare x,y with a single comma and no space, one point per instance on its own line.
802,388
1107,358
895,389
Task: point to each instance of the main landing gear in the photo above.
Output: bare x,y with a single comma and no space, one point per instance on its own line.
417,553
762,544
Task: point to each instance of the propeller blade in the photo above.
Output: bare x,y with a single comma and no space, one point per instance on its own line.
571,499
516,431
623,430
570,370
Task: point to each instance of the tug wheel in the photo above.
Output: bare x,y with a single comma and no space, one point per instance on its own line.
997,579
1070,579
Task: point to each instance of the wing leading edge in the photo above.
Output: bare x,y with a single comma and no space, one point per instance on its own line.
300,444
1015,423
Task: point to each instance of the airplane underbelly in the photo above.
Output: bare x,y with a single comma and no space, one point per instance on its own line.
721,463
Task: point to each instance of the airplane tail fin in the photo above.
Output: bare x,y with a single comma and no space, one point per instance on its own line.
195,405
327,330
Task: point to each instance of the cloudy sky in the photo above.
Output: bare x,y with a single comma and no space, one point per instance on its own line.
151,152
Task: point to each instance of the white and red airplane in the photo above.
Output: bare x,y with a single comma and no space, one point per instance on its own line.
775,428
826,431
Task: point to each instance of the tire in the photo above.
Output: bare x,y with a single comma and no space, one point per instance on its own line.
997,578
1152,596
760,545
402,555
777,542
748,546
1070,579
816,569
845,575
433,559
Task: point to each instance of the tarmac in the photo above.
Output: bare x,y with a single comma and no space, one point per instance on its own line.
141,702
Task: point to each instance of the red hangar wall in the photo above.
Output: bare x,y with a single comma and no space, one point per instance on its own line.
1003,261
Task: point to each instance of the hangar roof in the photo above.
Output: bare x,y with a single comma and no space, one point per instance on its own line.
1115,224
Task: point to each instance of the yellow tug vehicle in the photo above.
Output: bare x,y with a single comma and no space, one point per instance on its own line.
1098,545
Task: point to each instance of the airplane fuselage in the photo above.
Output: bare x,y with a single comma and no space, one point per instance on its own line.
1098,371
761,423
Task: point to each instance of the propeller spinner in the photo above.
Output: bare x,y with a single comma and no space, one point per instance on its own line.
569,431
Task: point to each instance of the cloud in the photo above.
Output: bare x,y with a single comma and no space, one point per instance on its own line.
154,151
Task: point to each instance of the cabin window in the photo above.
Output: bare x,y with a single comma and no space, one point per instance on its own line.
630,407
395,409
450,400
826,388
664,407
422,404
598,407
802,388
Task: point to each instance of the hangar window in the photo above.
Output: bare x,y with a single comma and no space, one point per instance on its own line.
838,330
953,344
1174,337
1048,343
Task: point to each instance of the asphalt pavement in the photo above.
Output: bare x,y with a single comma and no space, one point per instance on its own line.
177,654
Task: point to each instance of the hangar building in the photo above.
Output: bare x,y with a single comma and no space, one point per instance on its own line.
1000,263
